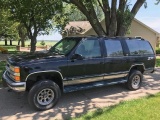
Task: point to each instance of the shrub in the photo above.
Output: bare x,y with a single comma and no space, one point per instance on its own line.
157,50
42,43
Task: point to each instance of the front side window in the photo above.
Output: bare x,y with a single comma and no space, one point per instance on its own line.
114,48
89,49
139,47
64,46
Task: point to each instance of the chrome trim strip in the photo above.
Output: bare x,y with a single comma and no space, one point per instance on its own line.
81,80
101,77
114,76
44,72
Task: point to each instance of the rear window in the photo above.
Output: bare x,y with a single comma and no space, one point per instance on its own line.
114,48
139,47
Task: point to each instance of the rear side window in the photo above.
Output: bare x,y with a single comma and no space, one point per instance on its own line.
139,47
114,48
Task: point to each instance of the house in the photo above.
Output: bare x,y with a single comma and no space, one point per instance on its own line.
137,29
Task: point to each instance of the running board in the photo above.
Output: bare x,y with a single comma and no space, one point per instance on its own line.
71,88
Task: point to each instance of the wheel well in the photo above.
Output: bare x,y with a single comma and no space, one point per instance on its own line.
34,78
138,67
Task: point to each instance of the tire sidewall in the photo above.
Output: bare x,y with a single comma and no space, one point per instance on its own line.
33,93
130,79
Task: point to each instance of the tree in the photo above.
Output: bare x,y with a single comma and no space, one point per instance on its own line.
71,13
22,34
35,15
7,27
117,19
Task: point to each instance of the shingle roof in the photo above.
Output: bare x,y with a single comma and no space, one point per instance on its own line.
77,27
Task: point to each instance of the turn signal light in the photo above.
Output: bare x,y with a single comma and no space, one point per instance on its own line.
17,70
17,78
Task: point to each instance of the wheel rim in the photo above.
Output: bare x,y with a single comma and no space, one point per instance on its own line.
45,96
136,81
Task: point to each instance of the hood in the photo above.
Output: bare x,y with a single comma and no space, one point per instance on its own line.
36,56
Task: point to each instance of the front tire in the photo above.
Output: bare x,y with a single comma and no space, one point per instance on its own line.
44,95
134,80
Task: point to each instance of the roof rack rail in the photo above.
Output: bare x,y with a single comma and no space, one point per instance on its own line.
92,36
136,37
123,37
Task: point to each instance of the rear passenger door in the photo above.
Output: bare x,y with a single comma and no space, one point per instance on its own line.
115,61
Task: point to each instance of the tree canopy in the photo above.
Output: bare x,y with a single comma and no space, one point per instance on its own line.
71,13
7,28
35,15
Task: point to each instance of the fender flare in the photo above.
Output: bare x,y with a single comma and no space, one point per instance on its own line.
54,71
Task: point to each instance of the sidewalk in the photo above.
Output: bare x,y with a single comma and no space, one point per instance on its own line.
14,106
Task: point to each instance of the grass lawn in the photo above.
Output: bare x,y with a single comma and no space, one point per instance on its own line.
141,109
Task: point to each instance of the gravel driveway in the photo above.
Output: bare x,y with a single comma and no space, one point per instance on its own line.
14,106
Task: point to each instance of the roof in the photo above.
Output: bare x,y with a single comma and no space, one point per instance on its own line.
77,27
82,27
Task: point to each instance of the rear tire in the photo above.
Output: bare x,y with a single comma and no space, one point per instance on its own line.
134,80
44,95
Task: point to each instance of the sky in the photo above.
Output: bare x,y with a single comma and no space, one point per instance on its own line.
149,16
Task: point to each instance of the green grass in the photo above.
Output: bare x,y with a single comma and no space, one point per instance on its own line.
141,109
158,62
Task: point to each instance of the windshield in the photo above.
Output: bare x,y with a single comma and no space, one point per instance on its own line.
64,46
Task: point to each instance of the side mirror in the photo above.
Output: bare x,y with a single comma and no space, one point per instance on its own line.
77,57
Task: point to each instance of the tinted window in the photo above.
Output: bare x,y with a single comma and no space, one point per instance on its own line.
139,47
64,46
89,49
114,48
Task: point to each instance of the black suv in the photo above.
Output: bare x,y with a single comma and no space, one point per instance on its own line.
77,63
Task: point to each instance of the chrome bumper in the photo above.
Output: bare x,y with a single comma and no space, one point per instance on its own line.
16,86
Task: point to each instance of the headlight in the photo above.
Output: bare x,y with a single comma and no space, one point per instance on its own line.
16,73
15,69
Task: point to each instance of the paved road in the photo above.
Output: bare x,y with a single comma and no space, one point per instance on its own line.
14,106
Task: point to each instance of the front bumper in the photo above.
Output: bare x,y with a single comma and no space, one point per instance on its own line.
16,86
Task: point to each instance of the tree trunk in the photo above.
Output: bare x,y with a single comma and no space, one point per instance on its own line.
122,31
120,18
33,44
23,42
5,42
91,16
113,23
19,41
10,42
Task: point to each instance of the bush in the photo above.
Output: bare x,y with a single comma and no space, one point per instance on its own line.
157,50
42,43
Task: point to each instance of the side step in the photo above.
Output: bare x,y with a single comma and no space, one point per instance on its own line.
71,88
